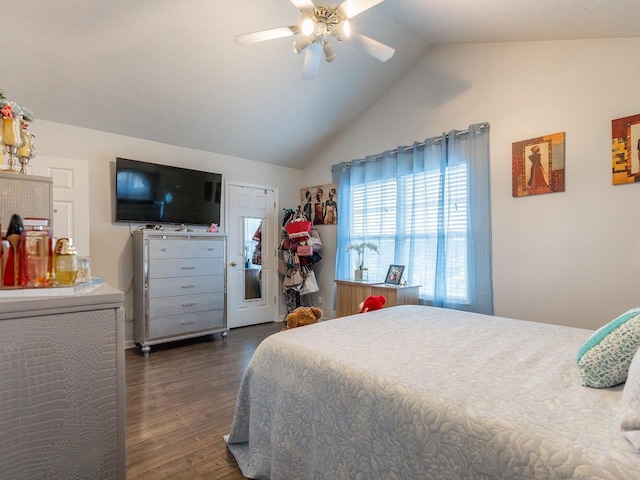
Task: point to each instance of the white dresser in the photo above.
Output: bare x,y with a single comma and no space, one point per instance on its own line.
62,379
180,286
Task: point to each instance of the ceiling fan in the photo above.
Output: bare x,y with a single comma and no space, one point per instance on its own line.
316,25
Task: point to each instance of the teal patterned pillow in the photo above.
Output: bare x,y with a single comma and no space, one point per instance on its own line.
604,359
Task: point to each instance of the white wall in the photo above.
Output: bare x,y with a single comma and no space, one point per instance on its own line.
570,258
111,244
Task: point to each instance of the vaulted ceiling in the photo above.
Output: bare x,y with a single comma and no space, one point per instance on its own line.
169,71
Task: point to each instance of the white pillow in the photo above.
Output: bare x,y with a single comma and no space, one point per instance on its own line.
631,404
604,359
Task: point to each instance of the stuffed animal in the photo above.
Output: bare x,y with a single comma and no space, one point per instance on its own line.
374,302
302,316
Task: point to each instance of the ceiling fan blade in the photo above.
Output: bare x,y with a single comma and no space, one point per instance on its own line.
303,5
312,61
371,47
351,8
261,36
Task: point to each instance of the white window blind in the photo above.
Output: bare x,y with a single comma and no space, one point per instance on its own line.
402,215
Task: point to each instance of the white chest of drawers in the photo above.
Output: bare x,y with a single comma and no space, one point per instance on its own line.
180,286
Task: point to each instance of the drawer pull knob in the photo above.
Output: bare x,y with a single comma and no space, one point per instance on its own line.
187,322
188,268
163,249
188,286
189,304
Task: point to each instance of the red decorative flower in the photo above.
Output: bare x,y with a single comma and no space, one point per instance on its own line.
6,111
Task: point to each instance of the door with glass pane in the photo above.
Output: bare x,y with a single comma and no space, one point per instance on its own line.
251,270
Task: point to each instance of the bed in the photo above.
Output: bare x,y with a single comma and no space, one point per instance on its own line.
415,392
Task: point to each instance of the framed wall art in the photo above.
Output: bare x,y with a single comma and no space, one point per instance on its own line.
537,165
320,204
625,150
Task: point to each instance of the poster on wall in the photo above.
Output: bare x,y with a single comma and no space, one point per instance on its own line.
320,204
538,165
625,150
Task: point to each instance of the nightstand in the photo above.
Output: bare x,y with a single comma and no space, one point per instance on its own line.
351,293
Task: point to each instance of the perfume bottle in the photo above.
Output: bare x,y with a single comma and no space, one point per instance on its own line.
11,270
35,253
66,262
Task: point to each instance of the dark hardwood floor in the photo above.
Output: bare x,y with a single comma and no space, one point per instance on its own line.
180,402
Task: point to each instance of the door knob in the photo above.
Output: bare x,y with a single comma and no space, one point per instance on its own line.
233,264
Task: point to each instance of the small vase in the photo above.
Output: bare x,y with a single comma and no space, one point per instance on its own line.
11,132
26,151
11,139
360,275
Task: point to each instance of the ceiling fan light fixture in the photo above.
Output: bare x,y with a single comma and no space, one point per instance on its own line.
321,30
329,53
301,44
307,26
317,24
343,30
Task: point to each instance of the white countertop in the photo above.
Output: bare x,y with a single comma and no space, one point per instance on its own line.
91,295
62,291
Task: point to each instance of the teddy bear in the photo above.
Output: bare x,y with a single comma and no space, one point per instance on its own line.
371,303
302,316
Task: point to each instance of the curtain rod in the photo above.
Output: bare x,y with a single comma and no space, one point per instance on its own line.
422,144
482,126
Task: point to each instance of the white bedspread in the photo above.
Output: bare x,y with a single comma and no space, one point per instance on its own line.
417,392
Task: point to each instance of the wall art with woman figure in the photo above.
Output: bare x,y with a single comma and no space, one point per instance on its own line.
320,204
538,165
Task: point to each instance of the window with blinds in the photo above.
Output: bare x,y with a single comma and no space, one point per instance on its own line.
405,216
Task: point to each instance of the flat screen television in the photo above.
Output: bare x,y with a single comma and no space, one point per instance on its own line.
156,194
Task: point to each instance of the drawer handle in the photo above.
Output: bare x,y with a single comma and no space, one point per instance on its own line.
189,268
163,249
188,286
189,304
187,322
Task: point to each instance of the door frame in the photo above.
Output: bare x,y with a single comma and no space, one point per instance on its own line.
276,241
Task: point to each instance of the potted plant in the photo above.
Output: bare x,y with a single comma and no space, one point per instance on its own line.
360,271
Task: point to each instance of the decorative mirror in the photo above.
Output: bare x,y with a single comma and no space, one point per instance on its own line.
252,258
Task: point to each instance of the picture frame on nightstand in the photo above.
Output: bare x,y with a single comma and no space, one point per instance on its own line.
394,274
